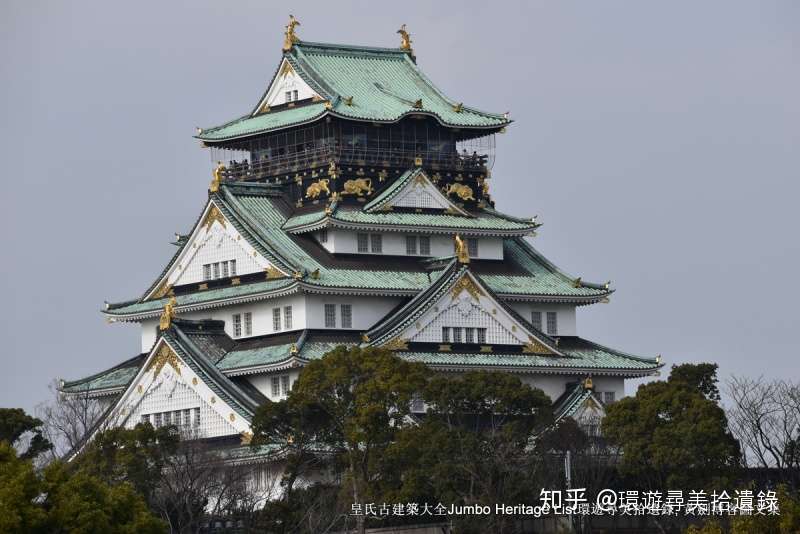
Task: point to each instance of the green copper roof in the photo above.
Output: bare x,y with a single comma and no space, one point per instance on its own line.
384,84
111,379
483,223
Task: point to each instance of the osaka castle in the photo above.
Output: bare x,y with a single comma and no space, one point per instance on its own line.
351,205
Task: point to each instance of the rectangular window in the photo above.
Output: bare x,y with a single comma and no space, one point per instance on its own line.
323,235
224,269
456,334
608,397
417,403
445,334
216,270
287,317
276,386
288,96
347,315
237,325
176,418
294,94
552,323
363,242
376,240
157,420
248,324
233,267
424,245
481,335
197,417
536,320
207,271
145,418
276,319
472,247
330,316
411,245
469,335
284,385
187,418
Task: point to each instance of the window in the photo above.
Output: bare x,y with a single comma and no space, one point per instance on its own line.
157,419
347,316
233,267
363,242
224,269
456,334
472,247
187,418
608,397
276,319
216,271
552,323
285,385
536,319
469,335
197,417
411,245
207,271
481,335
424,245
237,325
417,403
330,316
248,324
323,235
376,240
445,334
294,94
287,317
288,96
145,418
276,386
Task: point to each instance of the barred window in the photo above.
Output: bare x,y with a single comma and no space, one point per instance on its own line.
187,418
157,419
347,316
330,316
469,335
233,267
224,269
284,385
363,242
276,386
288,96
536,319
552,323
216,270
287,317
248,324
197,417
145,418
472,247
411,245
323,235
276,319
376,240
207,271
608,397
481,335
456,334
445,334
424,245
237,325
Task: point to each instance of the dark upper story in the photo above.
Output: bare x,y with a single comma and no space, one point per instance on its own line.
368,110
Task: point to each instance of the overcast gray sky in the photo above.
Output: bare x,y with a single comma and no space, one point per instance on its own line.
657,141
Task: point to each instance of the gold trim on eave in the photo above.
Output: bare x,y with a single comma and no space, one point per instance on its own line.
213,215
165,355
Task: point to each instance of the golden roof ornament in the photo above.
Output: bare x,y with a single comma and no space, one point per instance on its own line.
217,177
587,383
168,314
405,39
461,250
290,38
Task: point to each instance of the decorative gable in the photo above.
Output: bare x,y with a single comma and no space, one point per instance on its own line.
285,88
215,249
415,191
167,391
467,305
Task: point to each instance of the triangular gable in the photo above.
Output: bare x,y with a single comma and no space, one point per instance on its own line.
459,300
287,80
172,390
415,190
213,240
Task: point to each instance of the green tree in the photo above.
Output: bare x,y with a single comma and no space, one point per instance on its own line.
15,425
19,487
673,434
345,408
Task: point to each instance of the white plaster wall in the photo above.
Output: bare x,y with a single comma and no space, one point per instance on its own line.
555,385
366,310
262,315
149,334
263,382
218,245
566,315
288,82
394,244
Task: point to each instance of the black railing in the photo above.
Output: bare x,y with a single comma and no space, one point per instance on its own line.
281,164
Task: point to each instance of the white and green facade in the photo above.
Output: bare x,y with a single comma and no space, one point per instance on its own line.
334,223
